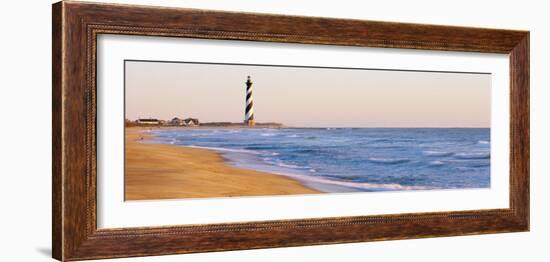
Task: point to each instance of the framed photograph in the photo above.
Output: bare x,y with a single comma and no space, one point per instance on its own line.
182,130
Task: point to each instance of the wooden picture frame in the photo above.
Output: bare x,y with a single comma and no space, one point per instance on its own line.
76,26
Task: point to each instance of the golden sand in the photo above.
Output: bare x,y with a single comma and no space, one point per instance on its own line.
157,171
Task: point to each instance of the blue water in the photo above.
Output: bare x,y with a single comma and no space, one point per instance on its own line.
353,159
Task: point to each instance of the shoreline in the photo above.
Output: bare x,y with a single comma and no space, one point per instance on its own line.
161,171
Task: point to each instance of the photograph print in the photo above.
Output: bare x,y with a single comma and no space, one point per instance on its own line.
209,130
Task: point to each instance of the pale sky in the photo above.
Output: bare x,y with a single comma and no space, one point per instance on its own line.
308,97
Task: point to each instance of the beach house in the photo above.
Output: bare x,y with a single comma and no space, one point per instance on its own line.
176,121
191,121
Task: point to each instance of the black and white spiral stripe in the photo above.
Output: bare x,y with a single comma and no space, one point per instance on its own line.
249,111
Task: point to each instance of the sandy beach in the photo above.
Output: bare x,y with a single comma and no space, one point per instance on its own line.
158,171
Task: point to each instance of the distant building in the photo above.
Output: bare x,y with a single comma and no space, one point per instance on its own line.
148,121
191,121
177,122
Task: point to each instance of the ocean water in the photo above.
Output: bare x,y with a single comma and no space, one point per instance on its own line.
353,159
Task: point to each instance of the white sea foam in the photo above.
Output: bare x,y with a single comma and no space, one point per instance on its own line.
281,164
437,163
437,153
322,184
473,155
483,142
357,185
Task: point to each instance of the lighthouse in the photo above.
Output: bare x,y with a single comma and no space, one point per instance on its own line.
249,105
